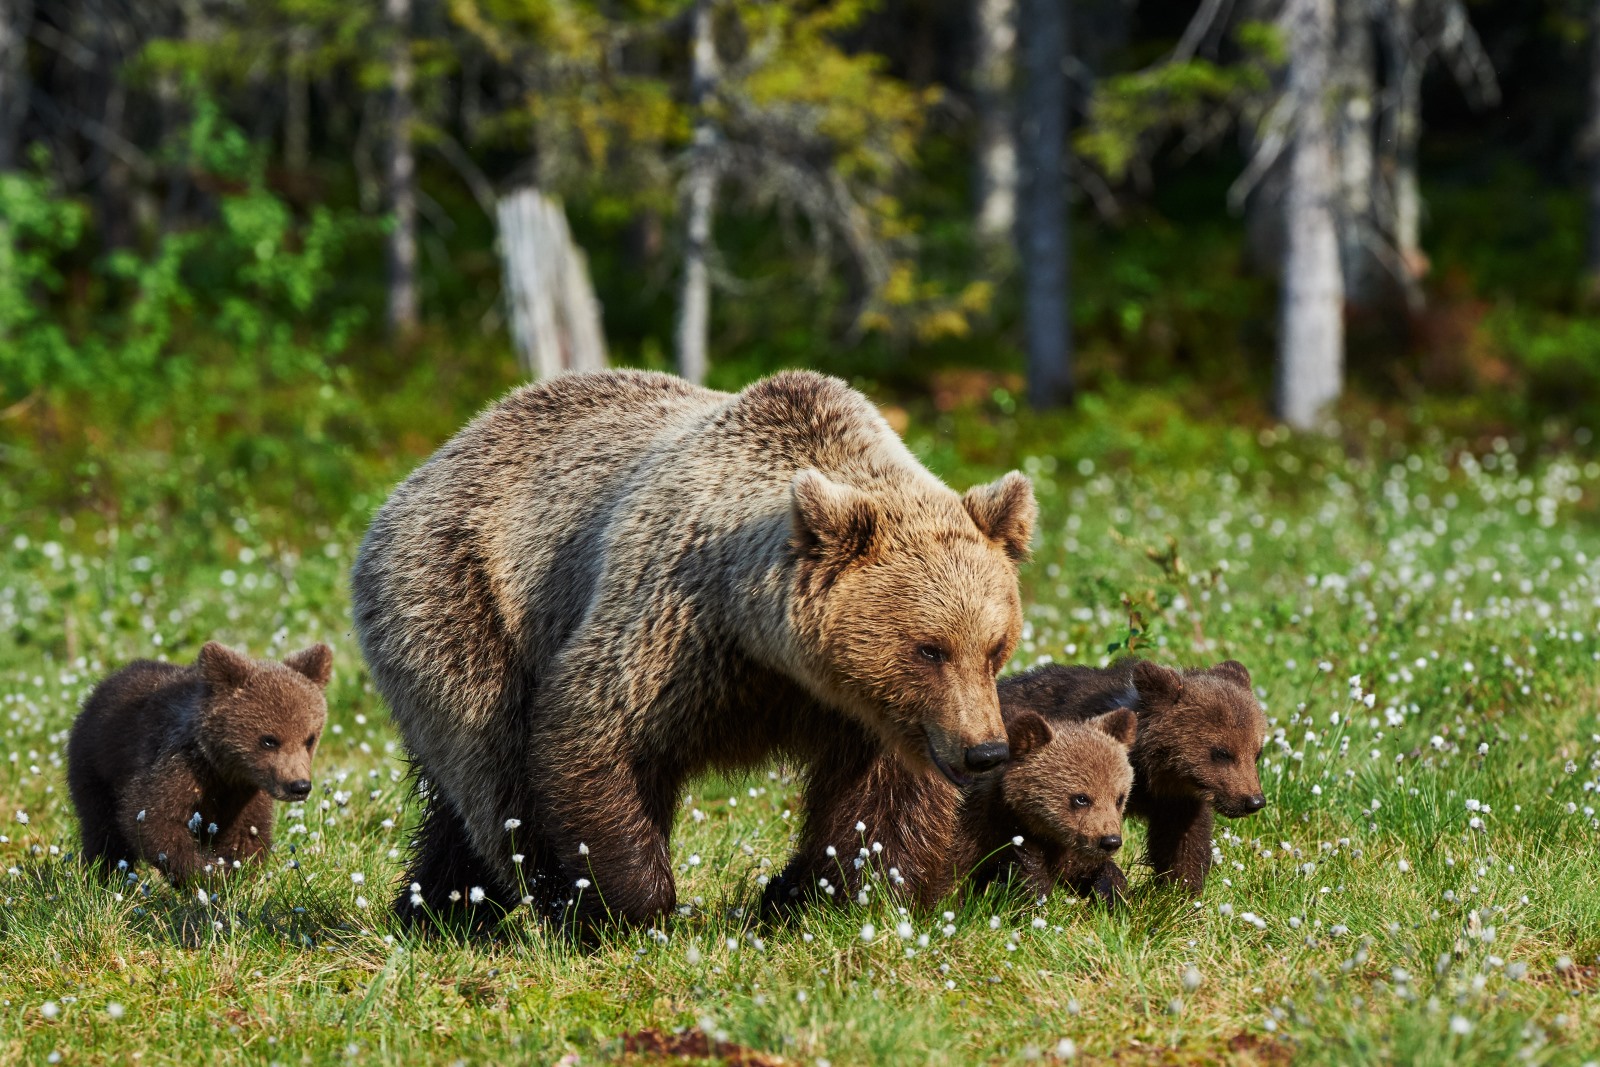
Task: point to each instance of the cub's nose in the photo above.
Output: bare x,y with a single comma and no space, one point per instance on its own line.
299,789
987,756
1255,803
1110,843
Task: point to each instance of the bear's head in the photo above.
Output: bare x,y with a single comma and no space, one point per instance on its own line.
1201,731
260,721
908,605
1068,782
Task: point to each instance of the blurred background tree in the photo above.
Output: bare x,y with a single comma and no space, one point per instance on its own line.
1259,206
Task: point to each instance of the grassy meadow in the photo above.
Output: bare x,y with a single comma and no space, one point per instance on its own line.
1420,610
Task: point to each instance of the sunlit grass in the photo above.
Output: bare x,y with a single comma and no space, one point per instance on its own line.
1423,623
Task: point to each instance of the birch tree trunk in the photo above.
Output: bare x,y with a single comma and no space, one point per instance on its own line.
1403,128
992,77
401,174
699,201
1044,216
1311,326
555,318
1356,78
16,18
1594,157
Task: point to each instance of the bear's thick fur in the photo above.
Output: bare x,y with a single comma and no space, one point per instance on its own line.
1200,737
608,583
179,766
1062,796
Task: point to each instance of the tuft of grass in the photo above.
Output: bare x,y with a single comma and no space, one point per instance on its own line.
1421,615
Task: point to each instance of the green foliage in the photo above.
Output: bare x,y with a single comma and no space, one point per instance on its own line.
37,227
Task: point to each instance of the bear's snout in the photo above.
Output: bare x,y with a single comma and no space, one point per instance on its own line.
1110,843
298,789
1254,804
987,756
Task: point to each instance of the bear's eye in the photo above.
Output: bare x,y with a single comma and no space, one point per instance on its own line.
1221,755
1258,754
1081,800
269,742
932,653
1123,799
997,658
311,742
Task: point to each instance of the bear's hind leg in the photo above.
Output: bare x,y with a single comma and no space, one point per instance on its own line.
613,858
103,842
446,872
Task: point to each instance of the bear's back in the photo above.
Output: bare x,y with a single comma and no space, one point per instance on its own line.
132,717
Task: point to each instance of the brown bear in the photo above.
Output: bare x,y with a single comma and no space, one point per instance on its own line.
1053,817
1200,736
1061,793
608,583
179,766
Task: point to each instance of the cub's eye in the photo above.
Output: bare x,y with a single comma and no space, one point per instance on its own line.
1081,800
1221,755
311,742
1123,799
1258,754
932,653
270,742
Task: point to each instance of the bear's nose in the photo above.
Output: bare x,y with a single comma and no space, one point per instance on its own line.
300,788
987,756
1255,803
1111,842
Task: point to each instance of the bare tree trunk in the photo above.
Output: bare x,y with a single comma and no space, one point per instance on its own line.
297,109
555,318
1403,129
1311,326
1356,77
1594,159
16,17
1044,209
402,175
700,200
992,77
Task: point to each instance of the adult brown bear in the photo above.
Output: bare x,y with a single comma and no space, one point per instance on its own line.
609,583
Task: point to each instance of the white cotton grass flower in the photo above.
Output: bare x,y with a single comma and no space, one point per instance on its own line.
115,1010
22,817
1191,978
692,955
582,883
357,877
1066,1048
476,894
512,824
50,1010
868,932
904,931
861,827
583,849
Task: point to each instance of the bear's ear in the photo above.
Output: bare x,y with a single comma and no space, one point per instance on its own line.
830,519
1156,684
315,663
223,668
1122,725
1233,671
1026,733
1004,512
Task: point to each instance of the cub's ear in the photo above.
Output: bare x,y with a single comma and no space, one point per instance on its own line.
1122,725
830,519
223,668
1156,684
1004,511
1233,671
315,663
1026,732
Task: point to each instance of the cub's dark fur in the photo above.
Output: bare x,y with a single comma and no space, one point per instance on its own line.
179,765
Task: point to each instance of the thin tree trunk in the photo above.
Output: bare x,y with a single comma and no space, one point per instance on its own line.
992,77
16,17
297,106
1044,209
1594,158
555,318
1311,330
700,198
1356,78
1403,130
402,175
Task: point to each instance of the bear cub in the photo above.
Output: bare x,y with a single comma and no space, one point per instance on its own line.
1199,739
1053,815
179,766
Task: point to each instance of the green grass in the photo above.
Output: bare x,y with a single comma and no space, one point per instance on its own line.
1363,916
